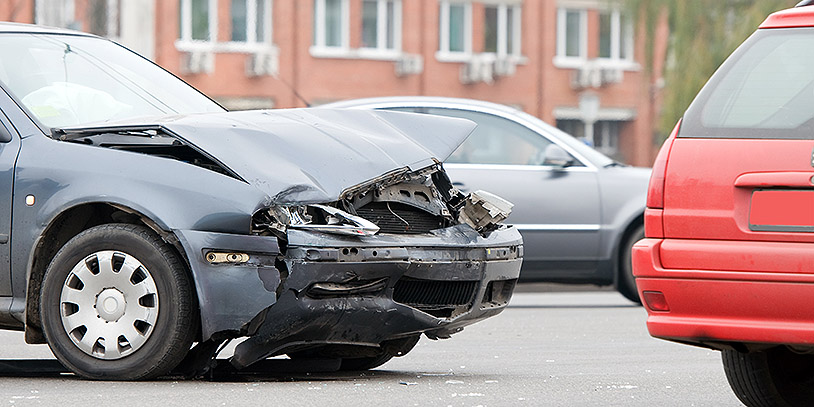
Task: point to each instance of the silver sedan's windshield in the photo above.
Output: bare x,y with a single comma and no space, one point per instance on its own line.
67,80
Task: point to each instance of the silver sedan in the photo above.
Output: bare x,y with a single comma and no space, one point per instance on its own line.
579,211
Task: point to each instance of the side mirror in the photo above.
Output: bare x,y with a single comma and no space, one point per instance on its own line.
556,156
5,135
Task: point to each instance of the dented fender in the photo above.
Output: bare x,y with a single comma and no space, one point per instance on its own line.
230,294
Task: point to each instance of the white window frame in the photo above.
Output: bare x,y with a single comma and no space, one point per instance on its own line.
211,44
502,23
617,32
381,31
562,60
319,48
443,53
251,24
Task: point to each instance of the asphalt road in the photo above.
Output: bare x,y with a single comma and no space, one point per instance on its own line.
547,349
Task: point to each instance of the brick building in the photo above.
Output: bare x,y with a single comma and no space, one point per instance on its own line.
573,63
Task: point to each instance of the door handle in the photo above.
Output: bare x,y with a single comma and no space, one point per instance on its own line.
798,179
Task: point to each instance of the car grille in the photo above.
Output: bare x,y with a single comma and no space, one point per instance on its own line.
393,217
432,294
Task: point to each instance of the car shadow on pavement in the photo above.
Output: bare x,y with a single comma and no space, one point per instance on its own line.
561,306
269,370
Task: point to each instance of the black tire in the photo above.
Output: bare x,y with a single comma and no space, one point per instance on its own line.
167,304
774,377
626,283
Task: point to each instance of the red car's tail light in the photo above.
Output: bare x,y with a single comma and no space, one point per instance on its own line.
655,300
655,191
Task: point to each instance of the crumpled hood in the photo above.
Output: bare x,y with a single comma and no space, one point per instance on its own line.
312,155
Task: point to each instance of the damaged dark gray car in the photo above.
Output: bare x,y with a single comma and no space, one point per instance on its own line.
144,226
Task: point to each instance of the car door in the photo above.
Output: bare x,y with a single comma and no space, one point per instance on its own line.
556,208
9,146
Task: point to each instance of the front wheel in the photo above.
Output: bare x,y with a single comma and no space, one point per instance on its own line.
626,283
117,304
774,377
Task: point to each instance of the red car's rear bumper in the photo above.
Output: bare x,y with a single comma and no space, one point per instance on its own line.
725,306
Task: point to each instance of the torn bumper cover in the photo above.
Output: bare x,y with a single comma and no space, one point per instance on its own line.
346,290
363,292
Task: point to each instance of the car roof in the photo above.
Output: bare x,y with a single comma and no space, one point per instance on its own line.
576,148
791,18
424,100
16,28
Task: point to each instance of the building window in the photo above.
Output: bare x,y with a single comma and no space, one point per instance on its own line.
615,36
571,33
103,18
455,27
331,23
501,30
56,13
251,21
199,20
605,137
381,24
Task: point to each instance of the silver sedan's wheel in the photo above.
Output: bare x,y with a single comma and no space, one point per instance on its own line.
109,305
117,303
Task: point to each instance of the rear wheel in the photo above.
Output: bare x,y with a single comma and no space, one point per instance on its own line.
117,303
774,377
626,284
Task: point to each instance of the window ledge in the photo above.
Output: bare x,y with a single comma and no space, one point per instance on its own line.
463,57
578,63
226,47
359,53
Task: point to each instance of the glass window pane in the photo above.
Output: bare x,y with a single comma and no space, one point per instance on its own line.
238,11
490,29
769,85
573,32
333,23
260,29
456,28
391,25
496,141
604,35
369,26
200,20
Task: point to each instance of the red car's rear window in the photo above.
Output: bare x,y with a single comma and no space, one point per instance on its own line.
764,90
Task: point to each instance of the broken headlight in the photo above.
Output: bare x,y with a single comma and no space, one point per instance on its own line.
320,218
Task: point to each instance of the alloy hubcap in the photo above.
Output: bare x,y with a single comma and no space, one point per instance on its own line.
109,305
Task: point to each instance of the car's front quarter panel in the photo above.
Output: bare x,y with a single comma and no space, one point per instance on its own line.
173,195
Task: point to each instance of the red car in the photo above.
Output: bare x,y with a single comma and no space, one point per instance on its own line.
728,258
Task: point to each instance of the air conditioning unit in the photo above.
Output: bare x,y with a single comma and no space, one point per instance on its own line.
197,62
476,70
262,64
609,76
409,65
505,67
585,76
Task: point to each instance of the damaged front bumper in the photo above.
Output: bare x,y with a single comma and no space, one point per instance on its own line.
341,290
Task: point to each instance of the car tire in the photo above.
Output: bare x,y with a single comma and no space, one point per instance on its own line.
626,283
121,284
774,377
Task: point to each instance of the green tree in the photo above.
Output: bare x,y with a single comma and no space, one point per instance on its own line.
702,34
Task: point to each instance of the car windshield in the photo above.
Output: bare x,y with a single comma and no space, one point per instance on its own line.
68,81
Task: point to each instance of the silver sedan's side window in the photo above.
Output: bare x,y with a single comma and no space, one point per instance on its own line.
496,140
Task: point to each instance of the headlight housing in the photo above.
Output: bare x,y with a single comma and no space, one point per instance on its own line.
321,218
